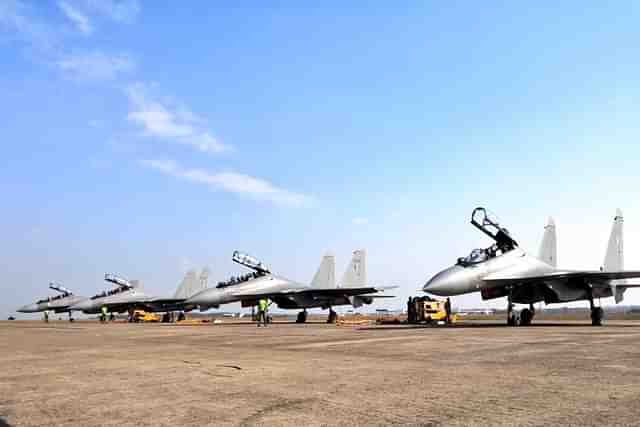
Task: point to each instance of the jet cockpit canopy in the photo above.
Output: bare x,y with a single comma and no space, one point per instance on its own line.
236,280
250,262
489,225
117,280
475,257
58,287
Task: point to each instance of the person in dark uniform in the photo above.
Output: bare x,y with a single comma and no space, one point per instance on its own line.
447,309
411,311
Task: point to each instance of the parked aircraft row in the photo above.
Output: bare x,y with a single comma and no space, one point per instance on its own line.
500,270
192,293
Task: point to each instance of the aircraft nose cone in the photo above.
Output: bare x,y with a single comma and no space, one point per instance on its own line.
29,308
443,283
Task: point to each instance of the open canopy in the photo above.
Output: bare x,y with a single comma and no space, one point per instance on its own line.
250,262
486,222
58,287
117,280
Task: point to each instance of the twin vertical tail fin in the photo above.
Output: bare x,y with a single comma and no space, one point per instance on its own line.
204,279
325,277
355,275
614,257
549,246
192,284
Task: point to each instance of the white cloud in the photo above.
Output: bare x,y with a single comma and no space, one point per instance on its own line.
360,221
96,65
80,20
123,11
245,185
159,119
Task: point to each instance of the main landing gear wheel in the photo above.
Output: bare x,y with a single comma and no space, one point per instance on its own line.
597,313
333,316
302,317
597,316
526,316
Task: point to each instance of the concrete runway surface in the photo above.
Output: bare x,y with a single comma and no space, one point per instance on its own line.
316,374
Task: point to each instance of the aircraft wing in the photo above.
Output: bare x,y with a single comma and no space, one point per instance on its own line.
350,292
123,304
165,300
596,278
329,292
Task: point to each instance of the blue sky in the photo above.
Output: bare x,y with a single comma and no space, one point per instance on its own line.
146,138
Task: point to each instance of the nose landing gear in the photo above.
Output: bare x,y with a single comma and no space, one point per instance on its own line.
597,313
333,316
526,315
302,316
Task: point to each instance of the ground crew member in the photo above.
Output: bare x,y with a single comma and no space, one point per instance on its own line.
263,304
103,314
447,309
46,317
411,311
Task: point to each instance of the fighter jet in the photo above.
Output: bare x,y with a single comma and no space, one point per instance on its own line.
288,294
59,304
504,269
128,294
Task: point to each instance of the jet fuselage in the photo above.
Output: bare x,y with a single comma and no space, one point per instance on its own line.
124,298
460,279
59,305
463,279
215,297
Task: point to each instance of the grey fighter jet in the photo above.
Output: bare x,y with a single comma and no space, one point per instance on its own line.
504,269
61,303
287,294
128,295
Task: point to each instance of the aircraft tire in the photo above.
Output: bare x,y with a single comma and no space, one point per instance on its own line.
597,315
333,316
526,316
302,317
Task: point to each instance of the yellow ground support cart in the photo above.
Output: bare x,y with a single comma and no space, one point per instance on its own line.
143,316
428,310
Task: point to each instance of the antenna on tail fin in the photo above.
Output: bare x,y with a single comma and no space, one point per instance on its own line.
325,277
355,275
549,246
